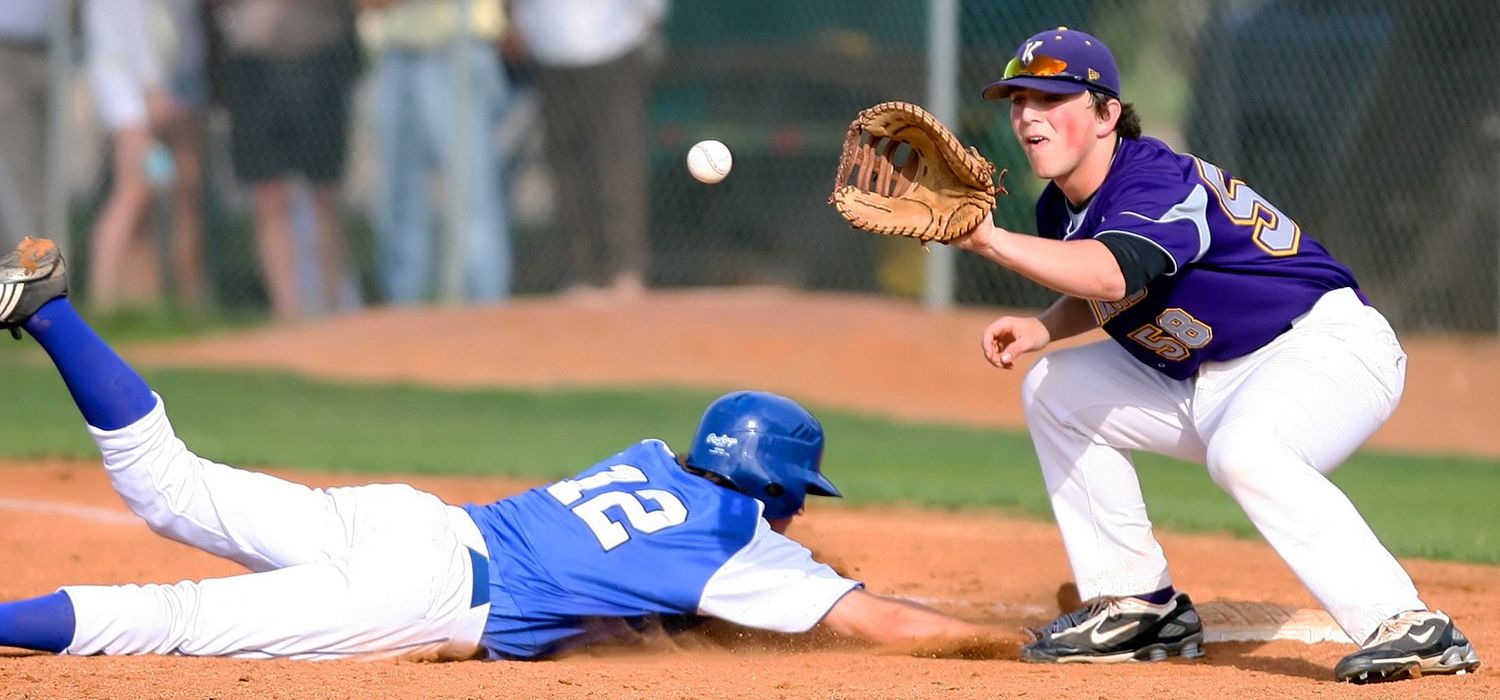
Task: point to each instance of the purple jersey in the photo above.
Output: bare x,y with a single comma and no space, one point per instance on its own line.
1240,270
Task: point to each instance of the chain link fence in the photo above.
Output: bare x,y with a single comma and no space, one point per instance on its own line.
1371,122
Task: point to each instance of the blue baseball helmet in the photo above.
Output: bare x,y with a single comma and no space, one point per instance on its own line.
767,446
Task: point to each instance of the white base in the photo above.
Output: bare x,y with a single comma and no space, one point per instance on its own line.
1241,621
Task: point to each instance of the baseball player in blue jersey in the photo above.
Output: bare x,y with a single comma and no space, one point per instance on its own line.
646,535
1237,342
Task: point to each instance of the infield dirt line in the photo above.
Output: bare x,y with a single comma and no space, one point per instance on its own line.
90,513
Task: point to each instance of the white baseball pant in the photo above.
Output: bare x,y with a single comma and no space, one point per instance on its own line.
1269,426
370,571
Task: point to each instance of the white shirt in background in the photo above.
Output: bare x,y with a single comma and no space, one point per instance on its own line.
136,45
576,33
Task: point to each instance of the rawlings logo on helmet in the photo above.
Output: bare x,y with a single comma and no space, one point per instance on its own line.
766,447
721,443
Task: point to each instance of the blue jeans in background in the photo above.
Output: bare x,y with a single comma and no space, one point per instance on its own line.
426,121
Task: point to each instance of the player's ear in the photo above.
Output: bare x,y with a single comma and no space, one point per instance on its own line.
1106,115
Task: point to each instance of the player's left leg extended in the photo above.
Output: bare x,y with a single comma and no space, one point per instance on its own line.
379,541
254,519
257,520
1279,420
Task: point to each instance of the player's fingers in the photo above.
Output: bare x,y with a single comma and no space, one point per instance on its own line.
996,337
987,345
1010,352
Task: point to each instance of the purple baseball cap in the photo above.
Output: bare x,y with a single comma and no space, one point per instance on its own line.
1060,61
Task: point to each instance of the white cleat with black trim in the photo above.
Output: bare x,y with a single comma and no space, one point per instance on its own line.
1409,645
1113,630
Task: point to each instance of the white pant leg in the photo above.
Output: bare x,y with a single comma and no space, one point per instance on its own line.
407,595
1086,407
1278,420
254,519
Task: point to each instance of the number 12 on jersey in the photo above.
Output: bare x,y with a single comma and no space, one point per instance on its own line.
670,510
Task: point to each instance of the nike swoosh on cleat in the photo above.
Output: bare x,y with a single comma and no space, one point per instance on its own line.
1425,636
1103,638
1409,659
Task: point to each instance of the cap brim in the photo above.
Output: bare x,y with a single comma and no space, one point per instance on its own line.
1001,89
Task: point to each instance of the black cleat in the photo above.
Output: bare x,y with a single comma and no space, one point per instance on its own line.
31,275
1113,630
1407,646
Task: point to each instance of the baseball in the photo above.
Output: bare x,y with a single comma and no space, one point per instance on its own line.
709,161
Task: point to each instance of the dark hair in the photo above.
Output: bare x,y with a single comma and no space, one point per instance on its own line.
716,478
1129,125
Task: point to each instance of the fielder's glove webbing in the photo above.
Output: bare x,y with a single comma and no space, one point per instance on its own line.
934,189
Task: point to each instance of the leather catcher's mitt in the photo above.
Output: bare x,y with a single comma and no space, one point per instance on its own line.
932,190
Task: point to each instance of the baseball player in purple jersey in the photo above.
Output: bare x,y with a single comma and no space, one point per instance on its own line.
1237,342
644,537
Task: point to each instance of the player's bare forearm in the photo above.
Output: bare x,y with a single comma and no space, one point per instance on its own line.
1083,268
891,620
1067,317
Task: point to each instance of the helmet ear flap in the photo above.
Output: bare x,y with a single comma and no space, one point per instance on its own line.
775,490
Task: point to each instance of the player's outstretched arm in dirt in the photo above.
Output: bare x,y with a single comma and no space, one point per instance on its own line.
892,620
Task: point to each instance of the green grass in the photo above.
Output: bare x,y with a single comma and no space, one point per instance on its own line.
1428,506
165,322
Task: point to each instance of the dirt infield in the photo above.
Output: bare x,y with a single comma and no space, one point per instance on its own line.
64,525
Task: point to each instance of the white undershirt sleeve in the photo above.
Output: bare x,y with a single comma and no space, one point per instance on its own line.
774,584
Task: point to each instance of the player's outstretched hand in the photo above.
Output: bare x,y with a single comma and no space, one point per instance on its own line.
1008,336
978,239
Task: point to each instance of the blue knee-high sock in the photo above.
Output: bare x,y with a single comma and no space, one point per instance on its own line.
108,392
43,624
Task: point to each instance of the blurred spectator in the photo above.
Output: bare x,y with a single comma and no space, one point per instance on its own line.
593,60
146,65
439,93
288,71
23,118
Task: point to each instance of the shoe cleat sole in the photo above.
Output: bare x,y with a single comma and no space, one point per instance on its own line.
1190,648
1457,661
